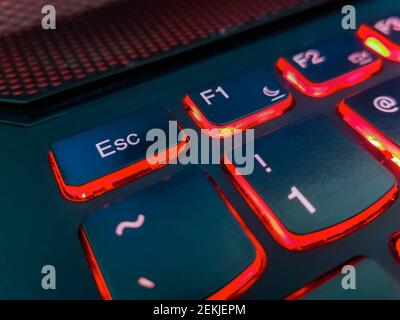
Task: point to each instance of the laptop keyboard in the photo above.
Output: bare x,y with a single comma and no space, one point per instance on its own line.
309,188
83,195
310,185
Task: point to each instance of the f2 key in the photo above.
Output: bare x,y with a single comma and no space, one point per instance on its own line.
326,67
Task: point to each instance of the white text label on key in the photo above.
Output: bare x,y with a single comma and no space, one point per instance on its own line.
208,94
313,56
295,193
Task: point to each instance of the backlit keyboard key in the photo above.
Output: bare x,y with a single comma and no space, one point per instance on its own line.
241,101
98,160
309,184
383,37
375,114
325,67
361,279
180,239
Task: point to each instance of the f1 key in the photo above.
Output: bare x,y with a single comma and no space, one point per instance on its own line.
98,160
241,101
326,67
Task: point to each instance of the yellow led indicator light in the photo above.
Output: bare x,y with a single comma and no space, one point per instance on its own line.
377,46
375,142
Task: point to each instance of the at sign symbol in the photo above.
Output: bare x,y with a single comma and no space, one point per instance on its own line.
386,104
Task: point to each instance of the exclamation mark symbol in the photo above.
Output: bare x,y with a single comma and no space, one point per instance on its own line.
262,163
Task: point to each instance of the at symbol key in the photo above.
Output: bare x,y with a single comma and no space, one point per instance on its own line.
101,159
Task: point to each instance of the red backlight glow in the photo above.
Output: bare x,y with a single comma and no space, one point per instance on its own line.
320,90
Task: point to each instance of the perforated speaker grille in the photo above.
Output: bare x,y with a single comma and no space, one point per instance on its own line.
93,38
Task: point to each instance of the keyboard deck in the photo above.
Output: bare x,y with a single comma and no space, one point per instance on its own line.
41,227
